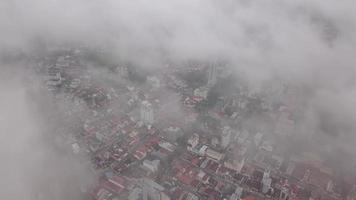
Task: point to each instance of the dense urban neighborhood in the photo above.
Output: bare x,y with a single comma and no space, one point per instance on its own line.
185,131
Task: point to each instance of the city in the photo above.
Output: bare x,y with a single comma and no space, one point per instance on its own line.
177,100
161,138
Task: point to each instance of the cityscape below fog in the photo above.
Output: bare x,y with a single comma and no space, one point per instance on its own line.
177,100
174,133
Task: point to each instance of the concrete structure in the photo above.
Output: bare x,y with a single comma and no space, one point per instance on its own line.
154,81
146,113
54,79
226,136
237,194
167,146
201,92
123,71
352,194
75,148
284,193
151,165
258,138
173,133
212,76
243,136
236,164
214,154
266,181
152,190
193,141
191,196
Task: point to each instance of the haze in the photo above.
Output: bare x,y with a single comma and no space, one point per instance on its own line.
310,44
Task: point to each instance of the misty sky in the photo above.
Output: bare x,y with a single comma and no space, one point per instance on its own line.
309,42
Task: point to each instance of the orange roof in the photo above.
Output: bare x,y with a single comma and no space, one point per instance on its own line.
250,197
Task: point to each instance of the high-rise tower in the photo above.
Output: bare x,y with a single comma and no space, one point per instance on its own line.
146,113
212,74
266,181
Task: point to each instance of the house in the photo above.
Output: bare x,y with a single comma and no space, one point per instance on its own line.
214,154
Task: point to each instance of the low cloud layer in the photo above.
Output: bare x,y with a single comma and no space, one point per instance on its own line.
310,43
33,166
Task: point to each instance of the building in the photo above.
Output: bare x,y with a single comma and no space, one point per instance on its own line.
212,75
237,164
352,194
152,190
123,71
191,196
103,194
237,194
154,82
75,148
146,113
201,92
284,126
258,138
243,136
193,141
54,79
173,133
266,181
226,136
151,165
284,193
214,154
135,194
236,158
167,146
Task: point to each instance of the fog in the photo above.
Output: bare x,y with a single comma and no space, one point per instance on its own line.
310,43
33,166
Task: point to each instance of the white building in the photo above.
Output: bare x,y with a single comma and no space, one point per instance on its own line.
75,148
167,146
154,81
266,181
152,190
173,133
237,194
193,141
212,79
214,154
123,71
151,165
226,136
54,79
236,164
243,136
146,113
201,92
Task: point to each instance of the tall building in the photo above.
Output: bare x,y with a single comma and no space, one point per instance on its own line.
226,136
212,76
123,71
237,194
266,181
146,113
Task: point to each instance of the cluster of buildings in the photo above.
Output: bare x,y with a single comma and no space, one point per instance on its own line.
139,151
